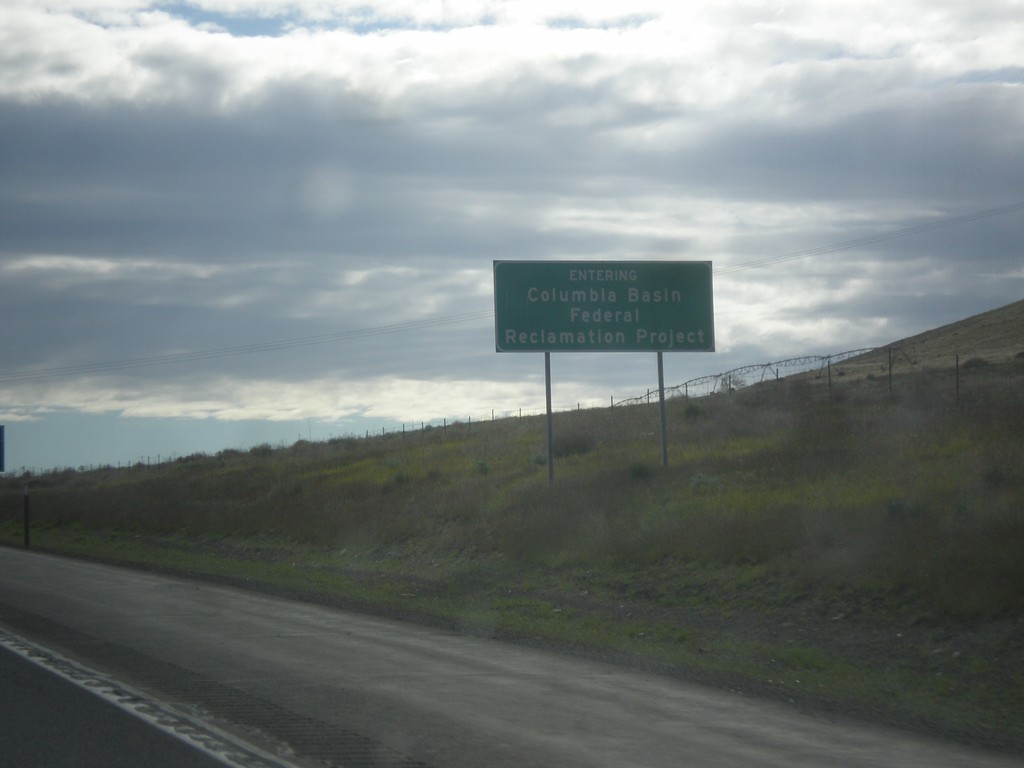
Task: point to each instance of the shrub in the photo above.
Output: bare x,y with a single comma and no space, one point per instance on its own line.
572,444
641,471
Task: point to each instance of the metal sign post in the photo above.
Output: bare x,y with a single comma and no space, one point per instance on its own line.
661,406
551,431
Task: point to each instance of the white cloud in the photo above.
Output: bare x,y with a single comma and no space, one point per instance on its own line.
70,269
704,56
329,399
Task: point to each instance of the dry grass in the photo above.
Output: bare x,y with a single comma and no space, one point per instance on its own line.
793,528
854,488
799,529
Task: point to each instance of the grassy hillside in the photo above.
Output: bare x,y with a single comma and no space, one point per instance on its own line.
837,544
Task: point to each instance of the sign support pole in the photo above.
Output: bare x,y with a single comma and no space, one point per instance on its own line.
661,401
551,445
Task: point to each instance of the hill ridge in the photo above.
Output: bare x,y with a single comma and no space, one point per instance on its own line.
996,334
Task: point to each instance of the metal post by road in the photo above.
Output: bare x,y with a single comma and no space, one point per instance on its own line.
28,526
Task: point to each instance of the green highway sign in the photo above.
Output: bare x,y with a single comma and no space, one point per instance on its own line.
603,306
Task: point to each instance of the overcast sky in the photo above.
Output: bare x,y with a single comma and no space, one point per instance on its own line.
232,221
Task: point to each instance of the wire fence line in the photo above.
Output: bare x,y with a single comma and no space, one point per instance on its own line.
746,374
701,386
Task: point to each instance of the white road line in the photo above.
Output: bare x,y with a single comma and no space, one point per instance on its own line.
207,738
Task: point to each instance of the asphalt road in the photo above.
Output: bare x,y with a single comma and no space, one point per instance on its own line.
47,721
354,691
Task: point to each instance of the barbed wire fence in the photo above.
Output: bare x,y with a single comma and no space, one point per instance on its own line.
701,386
746,374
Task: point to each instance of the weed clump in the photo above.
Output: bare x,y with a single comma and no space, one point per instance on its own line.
572,444
641,471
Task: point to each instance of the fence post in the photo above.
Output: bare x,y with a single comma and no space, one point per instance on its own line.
957,380
890,370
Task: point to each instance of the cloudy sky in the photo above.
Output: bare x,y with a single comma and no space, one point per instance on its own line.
226,222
